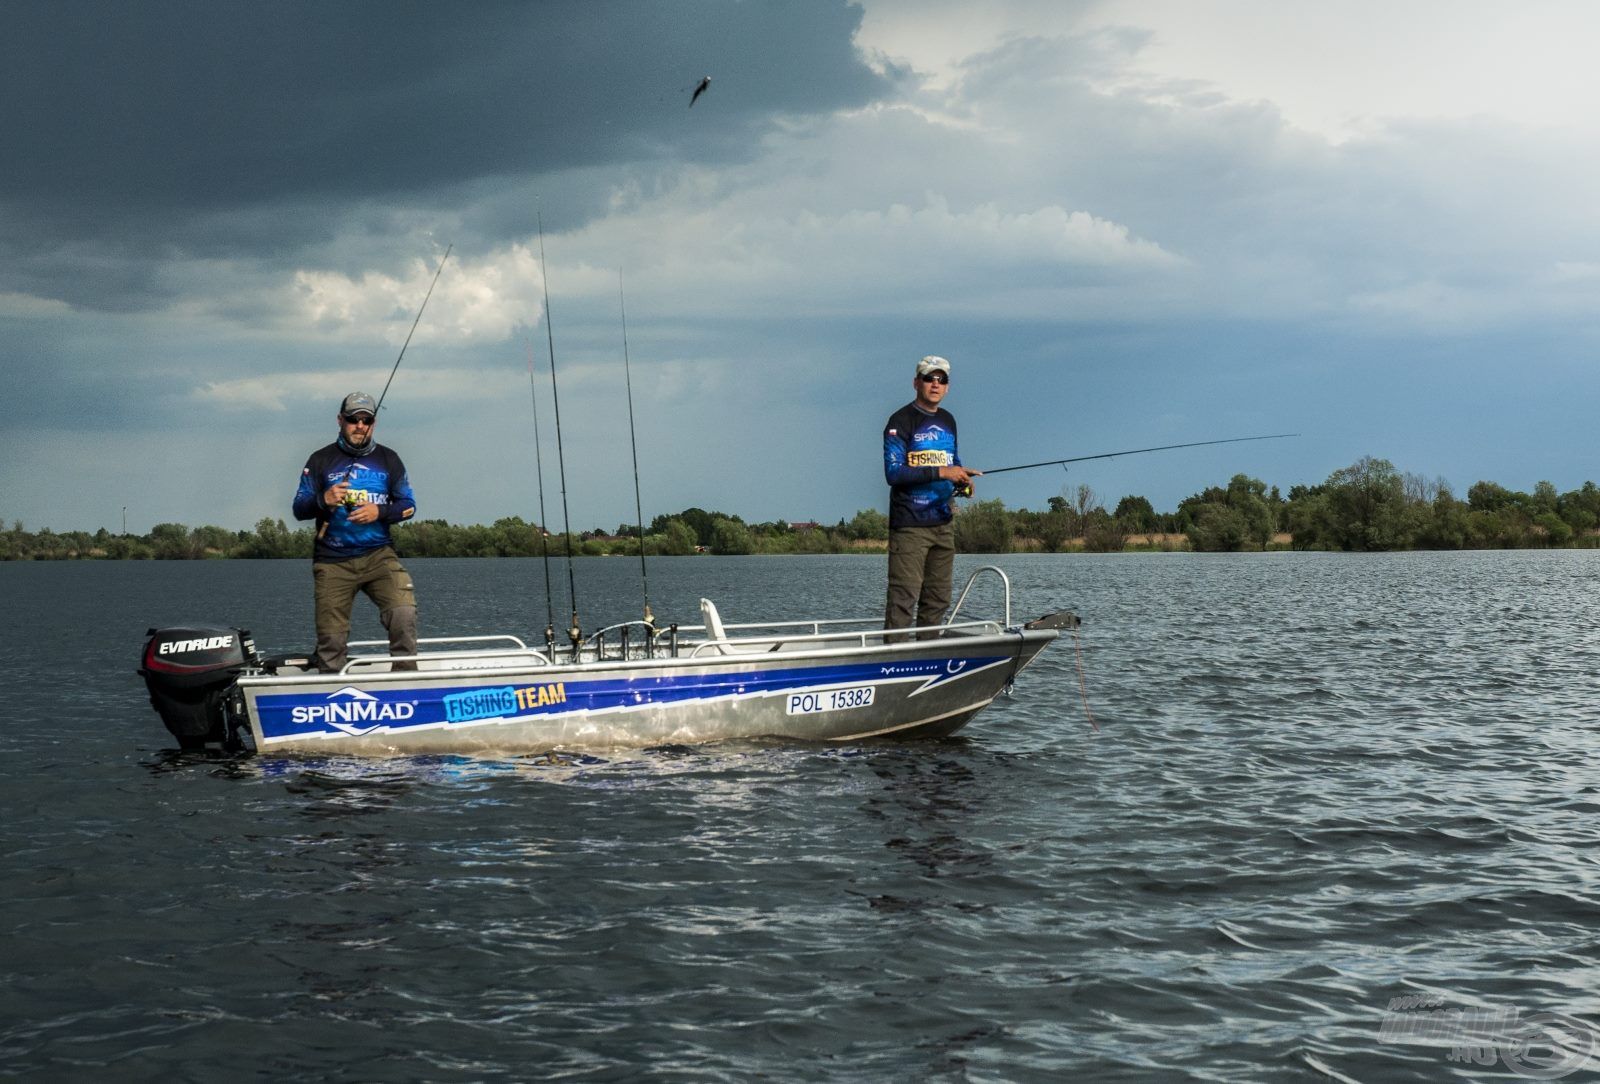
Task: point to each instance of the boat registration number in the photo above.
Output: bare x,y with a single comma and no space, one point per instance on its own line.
832,700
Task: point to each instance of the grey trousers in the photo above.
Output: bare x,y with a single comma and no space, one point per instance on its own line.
921,561
383,579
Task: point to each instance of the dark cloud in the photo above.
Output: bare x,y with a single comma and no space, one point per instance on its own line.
135,130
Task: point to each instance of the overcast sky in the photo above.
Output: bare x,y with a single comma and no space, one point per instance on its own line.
1127,223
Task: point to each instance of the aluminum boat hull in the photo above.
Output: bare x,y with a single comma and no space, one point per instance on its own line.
818,693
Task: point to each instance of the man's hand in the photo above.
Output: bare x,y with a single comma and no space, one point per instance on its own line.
962,477
335,495
363,513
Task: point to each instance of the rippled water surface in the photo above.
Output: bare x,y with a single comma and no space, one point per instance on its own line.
1319,783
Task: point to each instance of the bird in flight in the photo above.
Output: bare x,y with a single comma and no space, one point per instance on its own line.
699,89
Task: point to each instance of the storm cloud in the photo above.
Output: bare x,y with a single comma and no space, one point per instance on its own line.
1126,224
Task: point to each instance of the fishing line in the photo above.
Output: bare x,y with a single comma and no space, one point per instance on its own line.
544,535
555,397
1137,451
1083,686
638,505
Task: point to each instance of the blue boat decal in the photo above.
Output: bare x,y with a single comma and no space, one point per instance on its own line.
356,711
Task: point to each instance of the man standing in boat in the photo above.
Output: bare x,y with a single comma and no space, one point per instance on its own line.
923,468
354,488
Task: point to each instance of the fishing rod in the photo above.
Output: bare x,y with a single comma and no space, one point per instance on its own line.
544,535
638,504
420,310
351,470
575,632
1135,451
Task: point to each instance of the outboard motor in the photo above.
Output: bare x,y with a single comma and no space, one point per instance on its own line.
190,672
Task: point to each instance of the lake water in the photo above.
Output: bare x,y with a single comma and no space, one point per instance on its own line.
1320,783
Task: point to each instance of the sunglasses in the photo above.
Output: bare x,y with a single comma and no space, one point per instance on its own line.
357,419
934,378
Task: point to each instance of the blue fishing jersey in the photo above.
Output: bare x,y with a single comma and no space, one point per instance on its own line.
376,477
915,445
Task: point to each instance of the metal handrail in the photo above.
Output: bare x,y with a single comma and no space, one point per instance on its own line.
815,625
1005,582
861,637
365,661
448,640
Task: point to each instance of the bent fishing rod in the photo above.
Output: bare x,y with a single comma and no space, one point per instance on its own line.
420,310
1135,451
351,470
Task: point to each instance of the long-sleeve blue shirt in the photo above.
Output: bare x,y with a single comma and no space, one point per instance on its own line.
376,477
915,445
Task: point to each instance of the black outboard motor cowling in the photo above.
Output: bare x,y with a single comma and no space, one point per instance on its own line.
190,672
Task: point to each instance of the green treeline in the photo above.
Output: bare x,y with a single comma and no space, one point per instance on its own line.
691,531
1367,506
1371,506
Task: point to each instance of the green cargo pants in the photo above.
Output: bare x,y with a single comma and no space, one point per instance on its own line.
384,580
921,562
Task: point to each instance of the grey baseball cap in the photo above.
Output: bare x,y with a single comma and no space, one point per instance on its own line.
933,363
358,402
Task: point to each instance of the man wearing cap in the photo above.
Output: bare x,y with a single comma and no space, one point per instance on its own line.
924,471
354,488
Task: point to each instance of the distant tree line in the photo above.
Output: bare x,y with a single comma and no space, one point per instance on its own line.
1367,506
690,531
165,542
1372,506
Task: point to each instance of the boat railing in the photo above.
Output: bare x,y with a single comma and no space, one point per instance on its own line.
832,631
515,641
838,638
1005,583
520,652
816,626
776,635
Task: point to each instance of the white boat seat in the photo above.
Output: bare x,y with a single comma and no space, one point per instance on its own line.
713,623
717,636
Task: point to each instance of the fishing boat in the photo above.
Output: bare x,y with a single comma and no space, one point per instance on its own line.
627,685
